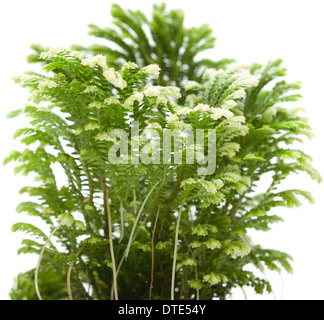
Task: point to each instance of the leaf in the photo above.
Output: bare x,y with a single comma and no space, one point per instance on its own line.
14,114
66,219
93,240
200,230
186,263
80,225
253,158
213,244
214,279
196,284
195,244
29,229
163,245
238,249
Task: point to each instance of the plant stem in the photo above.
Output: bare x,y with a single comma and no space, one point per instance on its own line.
153,233
244,292
175,252
122,261
40,259
193,255
72,264
111,244
70,271
121,222
137,219
91,191
44,247
135,209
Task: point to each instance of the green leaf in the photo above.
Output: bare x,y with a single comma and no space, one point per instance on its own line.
200,230
66,219
213,244
238,249
214,279
29,229
196,284
14,114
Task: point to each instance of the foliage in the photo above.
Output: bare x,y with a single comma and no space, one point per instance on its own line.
125,235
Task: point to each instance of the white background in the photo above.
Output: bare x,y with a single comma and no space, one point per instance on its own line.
249,31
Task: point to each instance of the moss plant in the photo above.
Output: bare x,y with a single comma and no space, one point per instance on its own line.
148,230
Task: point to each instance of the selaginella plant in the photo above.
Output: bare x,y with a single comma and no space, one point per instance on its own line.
142,229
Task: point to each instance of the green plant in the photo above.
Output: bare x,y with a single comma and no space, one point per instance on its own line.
143,230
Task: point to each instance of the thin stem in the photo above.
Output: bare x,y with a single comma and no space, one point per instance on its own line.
70,271
122,261
244,292
121,221
118,269
44,247
135,208
153,233
175,252
72,264
192,253
283,286
137,219
92,204
40,259
111,244
196,276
